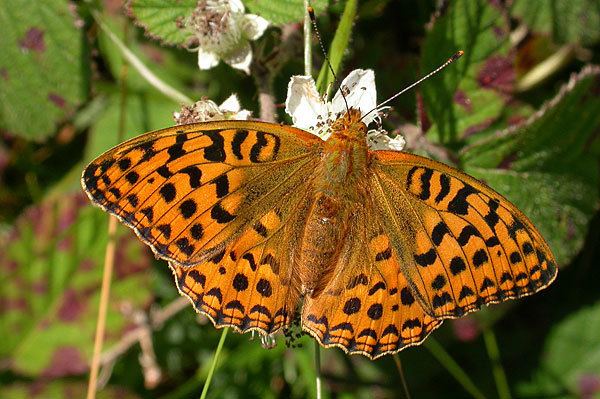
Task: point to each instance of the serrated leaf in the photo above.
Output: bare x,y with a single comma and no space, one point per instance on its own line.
545,167
53,259
43,66
283,11
338,46
567,21
163,19
465,98
571,355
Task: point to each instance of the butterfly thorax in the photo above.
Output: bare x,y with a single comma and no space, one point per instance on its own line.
338,192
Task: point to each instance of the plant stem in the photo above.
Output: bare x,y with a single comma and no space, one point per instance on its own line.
109,258
401,372
139,66
213,366
491,345
452,367
109,254
307,41
318,369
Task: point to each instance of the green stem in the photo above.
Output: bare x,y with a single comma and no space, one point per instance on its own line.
318,369
452,367
214,363
143,70
491,345
401,372
307,41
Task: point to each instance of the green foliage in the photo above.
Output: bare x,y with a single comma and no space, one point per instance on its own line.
567,21
571,358
61,390
283,11
545,166
53,258
44,66
540,148
467,97
163,20
339,45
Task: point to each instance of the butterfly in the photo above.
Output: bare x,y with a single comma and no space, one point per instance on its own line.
261,223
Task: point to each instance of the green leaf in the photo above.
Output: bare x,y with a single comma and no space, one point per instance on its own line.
567,21
283,11
163,19
144,112
465,98
545,165
571,355
43,66
338,46
54,260
166,65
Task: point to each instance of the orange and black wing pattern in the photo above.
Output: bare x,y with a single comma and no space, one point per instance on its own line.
368,307
462,244
219,201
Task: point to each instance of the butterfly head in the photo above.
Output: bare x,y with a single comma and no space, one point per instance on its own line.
350,126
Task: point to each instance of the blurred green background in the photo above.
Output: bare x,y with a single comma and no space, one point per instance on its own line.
520,110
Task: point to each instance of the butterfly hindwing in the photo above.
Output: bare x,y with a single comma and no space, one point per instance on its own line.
463,245
250,283
189,190
368,307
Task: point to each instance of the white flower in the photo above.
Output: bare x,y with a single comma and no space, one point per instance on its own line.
222,32
207,110
312,113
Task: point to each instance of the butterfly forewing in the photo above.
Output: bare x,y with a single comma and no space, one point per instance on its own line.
463,244
187,191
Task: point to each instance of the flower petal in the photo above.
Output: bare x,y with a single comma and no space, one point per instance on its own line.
253,26
232,104
303,102
379,140
207,59
240,58
236,6
361,94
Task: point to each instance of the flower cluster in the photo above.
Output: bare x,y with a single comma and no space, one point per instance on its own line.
312,113
222,31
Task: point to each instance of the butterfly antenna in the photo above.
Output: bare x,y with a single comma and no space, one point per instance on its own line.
449,61
313,20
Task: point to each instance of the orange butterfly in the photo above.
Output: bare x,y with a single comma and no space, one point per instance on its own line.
374,248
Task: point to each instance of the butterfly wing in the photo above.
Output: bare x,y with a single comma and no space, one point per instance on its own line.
221,201
251,284
462,244
188,190
368,307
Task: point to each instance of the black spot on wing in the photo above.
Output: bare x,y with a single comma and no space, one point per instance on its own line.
426,184
236,143
444,188
438,233
220,214
426,259
221,185
216,151
459,205
194,173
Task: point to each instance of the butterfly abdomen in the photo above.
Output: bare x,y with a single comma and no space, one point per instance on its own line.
338,192
324,232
